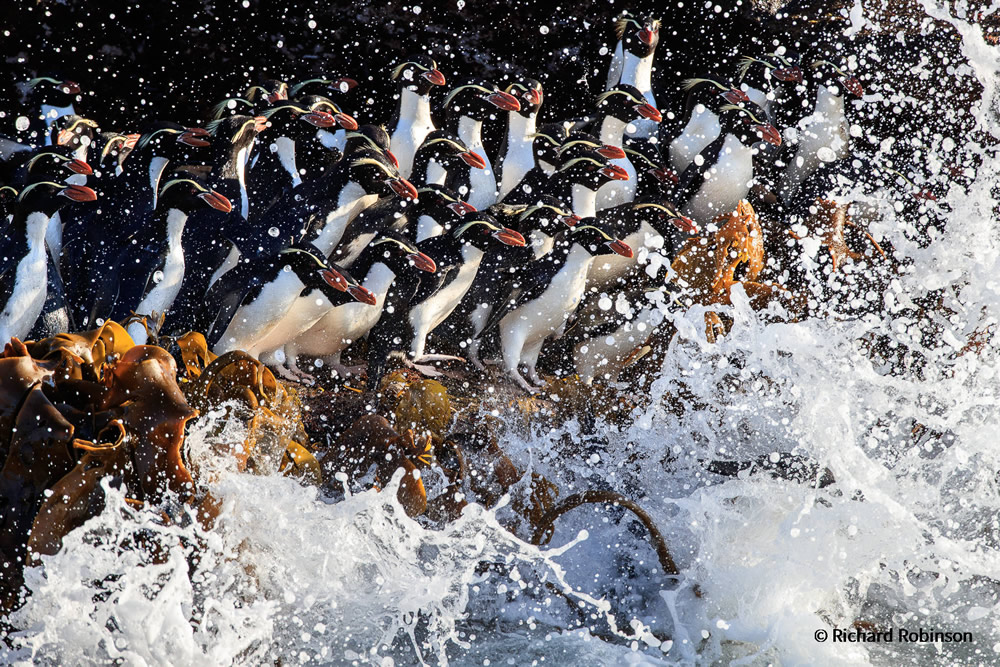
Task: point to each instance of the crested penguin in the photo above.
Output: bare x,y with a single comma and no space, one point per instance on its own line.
722,174
466,107
389,262
275,171
545,150
536,304
412,123
824,135
75,132
517,152
23,260
332,139
462,252
436,207
646,227
701,127
578,179
445,161
637,41
617,109
538,224
153,268
49,99
252,299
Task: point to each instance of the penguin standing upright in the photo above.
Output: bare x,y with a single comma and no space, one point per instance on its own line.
536,303
618,109
467,106
153,267
517,152
24,262
637,41
412,122
716,182
545,151
701,118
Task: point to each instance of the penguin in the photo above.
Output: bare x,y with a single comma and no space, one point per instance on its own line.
390,262
332,139
535,305
93,239
721,175
75,132
458,255
654,180
49,163
111,149
275,171
269,91
466,107
771,82
538,224
617,110
578,179
435,207
48,99
824,135
637,41
153,268
249,301
24,263
412,122
320,211
545,149
701,127
517,153
646,227
444,160
339,86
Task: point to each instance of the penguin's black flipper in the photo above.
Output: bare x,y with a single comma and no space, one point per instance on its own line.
521,289
224,298
694,174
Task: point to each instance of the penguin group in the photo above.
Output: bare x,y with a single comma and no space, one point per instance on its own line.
283,226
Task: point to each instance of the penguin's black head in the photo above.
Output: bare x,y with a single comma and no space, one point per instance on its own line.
591,170
666,212
332,280
437,199
712,93
478,100
236,133
232,106
55,163
529,95
294,120
73,131
172,141
418,73
267,92
111,148
547,214
48,196
778,68
749,123
580,143
638,36
483,232
337,86
445,148
370,138
592,235
325,104
49,90
626,103
400,254
838,78
8,197
376,175
648,160
188,195
547,141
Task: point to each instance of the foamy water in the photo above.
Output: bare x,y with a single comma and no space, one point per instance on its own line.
907,537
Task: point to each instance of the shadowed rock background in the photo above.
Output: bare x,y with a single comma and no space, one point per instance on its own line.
173,59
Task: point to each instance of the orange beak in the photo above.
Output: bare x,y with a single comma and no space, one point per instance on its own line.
346,122
614,172
434,76
216,201
649,112
362,294
79,167
509,237
611,152
403,188
620,248
423,262
79,193
504,101
473,160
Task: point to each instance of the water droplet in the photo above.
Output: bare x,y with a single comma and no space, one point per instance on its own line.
22,123
544,30
312,25
417,9
158,277
273,232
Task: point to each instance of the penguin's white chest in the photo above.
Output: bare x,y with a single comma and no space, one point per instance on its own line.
255,319
28,296
702,129
726,182
545,314
167,281
432,312
618,192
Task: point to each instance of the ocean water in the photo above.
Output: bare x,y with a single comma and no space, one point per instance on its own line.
899,409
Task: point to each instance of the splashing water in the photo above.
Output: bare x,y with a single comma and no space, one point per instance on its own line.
907,537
